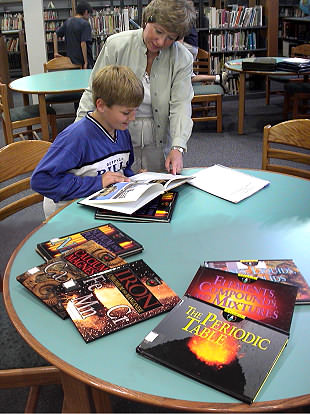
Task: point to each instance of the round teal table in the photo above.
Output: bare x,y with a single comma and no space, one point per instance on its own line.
236,66
272,224
51,83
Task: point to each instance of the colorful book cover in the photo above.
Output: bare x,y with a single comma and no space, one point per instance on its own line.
107,235
86,260
158,210
282,271
102,304
215,346
269,302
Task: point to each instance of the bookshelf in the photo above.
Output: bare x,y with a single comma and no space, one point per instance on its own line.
288,9
237,29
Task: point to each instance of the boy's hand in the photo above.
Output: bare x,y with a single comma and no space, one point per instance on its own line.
174,162
113,177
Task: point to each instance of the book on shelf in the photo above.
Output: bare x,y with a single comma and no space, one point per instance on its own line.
107,235
227,183
215,346
281,271
84,260
102,304
158,210
128,197
270,303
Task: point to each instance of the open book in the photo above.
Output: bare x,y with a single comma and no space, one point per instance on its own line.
127,197
227,183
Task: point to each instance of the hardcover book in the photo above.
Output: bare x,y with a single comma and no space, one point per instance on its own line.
215,346
102,304
86,260
158,210
128,197
107,235
269,302
282,271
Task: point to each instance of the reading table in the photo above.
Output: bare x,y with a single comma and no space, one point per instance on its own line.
236,66
272,224
51,83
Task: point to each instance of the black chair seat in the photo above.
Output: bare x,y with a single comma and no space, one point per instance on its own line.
28,111
282,79
202,89
297,87
63,97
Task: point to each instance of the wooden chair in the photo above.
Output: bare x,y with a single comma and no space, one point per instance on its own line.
288,141
207,98
23,119
17,159
62,63
297,51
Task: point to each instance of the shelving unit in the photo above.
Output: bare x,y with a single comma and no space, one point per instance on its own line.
228,36
288,9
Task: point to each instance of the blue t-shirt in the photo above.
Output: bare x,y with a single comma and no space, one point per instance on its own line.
80,154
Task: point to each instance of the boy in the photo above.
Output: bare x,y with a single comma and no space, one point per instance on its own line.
96,151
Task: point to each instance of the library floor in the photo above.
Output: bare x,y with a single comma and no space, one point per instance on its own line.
205,148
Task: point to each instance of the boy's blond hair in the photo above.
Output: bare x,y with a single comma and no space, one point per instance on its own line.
117,85
175,16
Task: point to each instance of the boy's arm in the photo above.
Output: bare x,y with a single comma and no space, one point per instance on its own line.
52,179
84,53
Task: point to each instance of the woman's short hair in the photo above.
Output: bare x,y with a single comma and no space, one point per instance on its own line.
117,85
176,16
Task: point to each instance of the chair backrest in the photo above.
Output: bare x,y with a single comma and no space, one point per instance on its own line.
16,159
60,63
288,141
4,102
301,51
201,65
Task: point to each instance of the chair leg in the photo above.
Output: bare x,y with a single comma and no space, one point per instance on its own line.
53,124
32,399
219,121
286,105
8,134
267,98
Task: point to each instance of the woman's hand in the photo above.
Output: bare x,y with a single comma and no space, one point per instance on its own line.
174,162
113,177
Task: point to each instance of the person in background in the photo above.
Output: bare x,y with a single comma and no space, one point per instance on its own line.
163,122
190,41
96,151
78,37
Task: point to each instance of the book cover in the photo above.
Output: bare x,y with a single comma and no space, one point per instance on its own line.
106,303
215,346
86,260
282,271
107,235
158,210
269,302
128,197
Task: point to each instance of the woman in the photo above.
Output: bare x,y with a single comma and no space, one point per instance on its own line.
163,122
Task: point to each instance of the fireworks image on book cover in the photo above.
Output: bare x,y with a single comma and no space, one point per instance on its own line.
282,271
269,302
225,350
125,295
81,261
108,236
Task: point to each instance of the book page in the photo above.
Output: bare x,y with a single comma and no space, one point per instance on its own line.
227,183
168,181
